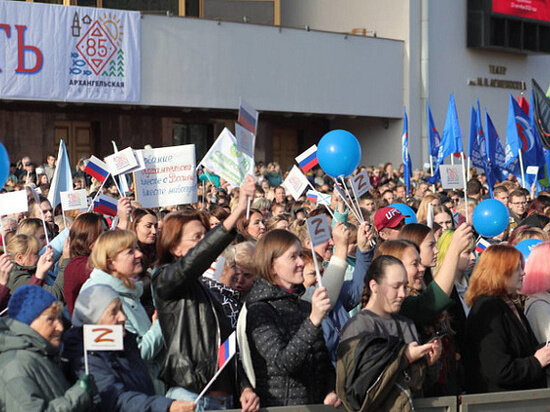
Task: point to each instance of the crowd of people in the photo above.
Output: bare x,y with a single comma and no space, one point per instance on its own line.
400,310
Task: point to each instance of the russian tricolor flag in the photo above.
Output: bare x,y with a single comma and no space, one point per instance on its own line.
481,245
248,117
105,205
308,160
97,168
227,350
312,196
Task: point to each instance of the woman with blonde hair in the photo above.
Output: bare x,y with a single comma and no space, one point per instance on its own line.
430,198
116,260
500,352
28,267
281,221
33,227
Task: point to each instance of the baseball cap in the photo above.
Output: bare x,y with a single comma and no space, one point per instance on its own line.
388,217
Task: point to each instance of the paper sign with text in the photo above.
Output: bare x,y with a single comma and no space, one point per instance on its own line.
13,202
168,178
361,183
295,183
318,228
103,337
451,176
74,200
532,170
122,162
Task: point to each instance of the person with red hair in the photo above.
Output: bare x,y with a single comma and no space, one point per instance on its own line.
536,285
501,350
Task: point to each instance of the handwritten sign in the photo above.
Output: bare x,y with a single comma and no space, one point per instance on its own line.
103,337
318,228
74,200
168,178
361,183
13,202
451,176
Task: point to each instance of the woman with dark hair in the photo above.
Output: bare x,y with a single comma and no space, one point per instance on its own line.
252,228
423,237
84,232
288,352
193,322
144,224
378,339
443,217
501,350
217,216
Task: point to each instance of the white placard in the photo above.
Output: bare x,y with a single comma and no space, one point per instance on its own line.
103,337
13,202
361,183
122,161
74,200
532,170
55,52
168,178
295,183
451,176
318,228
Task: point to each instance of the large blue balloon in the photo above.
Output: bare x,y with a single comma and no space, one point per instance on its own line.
339,153
490,218
526,246
4,165
407,211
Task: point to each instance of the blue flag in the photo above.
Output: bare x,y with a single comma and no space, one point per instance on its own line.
496,154
407,166
476,149
434,140
451,140
62,179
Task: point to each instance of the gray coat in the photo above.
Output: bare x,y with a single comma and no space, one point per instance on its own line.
31,379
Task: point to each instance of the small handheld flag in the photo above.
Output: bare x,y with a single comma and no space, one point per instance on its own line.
308,160
481,245
312,196
105,205
227,350
248,117
97,168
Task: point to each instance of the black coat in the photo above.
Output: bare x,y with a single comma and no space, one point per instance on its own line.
288,352
499,351
192,321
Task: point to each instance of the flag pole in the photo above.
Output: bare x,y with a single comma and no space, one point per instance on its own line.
468,169
211,381
349,195
521,167
466,215
358,205
432,170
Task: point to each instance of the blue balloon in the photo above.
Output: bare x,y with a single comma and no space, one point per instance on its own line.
407,211
526,246
4,165
339,153
490,218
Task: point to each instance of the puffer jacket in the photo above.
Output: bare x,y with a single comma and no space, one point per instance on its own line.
31,379
289,355
372,373
24,275
193,323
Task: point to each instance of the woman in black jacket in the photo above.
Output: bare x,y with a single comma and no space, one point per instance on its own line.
289,355
500,348
192,321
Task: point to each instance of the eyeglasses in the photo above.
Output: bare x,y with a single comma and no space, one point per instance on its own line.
518,203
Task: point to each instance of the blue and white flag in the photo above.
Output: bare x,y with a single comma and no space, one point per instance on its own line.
62,180
406,158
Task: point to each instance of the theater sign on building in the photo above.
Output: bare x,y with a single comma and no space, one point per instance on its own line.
171,72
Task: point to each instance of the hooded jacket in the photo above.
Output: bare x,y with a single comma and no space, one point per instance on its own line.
373,374
121,377
290,359
31,379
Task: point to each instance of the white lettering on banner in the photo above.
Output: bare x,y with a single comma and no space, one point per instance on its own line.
155,184
69,53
